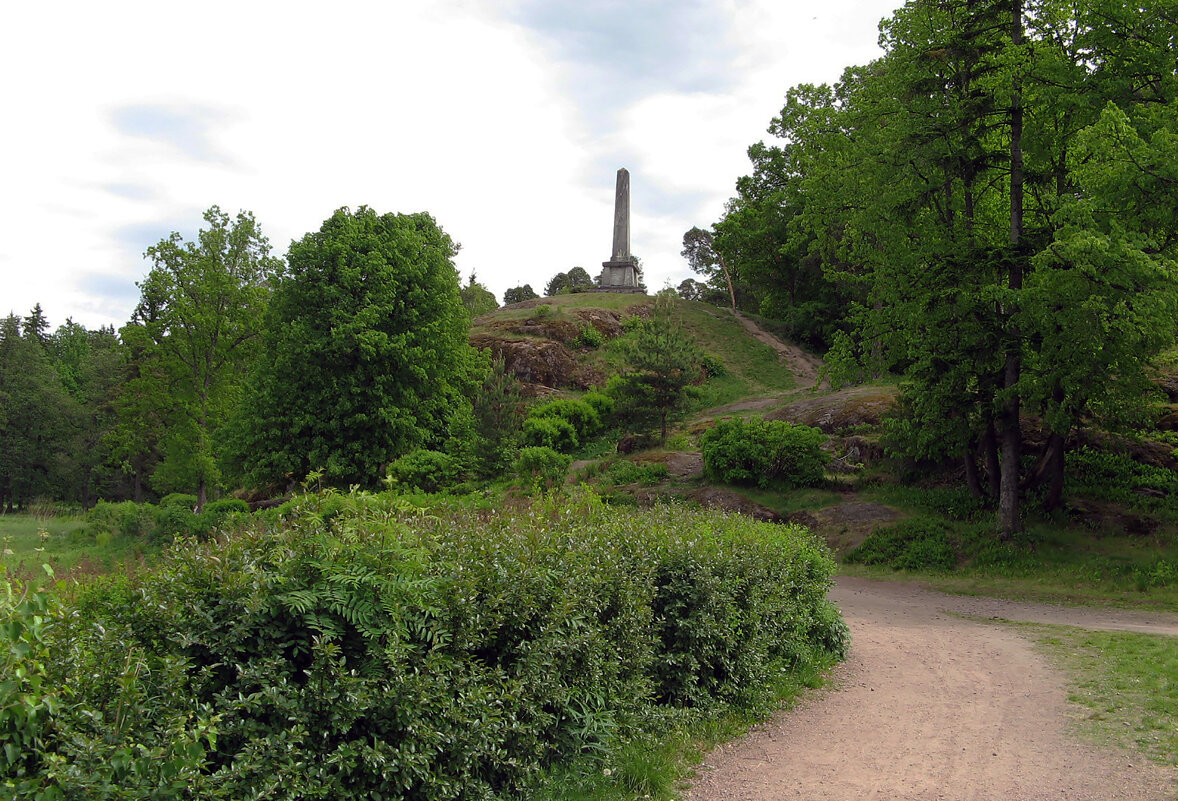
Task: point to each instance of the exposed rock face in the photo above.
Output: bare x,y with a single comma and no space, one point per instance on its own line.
729,501
841,410
550,364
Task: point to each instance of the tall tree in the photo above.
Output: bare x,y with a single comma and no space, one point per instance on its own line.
518,294
36,417
366,354
982,185
201,310
663,365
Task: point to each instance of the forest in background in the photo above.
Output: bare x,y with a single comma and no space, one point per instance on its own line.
987,211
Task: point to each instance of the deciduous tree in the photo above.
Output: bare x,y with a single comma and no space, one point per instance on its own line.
366,355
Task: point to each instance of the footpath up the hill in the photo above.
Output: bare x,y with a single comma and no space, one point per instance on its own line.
931,706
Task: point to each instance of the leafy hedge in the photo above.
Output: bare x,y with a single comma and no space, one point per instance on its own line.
364,649
763,452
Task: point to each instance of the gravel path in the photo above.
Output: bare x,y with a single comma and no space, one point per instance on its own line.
933,706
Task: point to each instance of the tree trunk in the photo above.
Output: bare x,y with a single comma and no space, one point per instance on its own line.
728,276
990,453
1008,492
971,473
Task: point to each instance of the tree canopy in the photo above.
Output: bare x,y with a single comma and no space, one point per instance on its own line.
366,355
994,199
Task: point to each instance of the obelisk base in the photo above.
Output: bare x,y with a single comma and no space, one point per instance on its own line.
619,276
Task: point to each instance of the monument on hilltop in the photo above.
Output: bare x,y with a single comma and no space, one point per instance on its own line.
619,273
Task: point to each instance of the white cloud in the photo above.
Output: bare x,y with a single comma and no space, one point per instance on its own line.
454,107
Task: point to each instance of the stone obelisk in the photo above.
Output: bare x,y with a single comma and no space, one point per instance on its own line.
618,274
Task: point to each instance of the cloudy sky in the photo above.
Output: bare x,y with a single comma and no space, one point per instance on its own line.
505,119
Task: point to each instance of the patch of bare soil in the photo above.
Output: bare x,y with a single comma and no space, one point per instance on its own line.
933,706
729,501
844,526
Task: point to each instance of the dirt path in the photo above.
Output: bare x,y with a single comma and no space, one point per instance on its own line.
804,366
933,706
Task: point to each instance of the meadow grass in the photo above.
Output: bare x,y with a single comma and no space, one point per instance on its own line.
1128,681
62,542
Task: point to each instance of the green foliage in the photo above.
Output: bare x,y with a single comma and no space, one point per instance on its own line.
542,466
498,412
366,353
158,525
600,402
518,294
663,365
556,433
917,545
181,499
426,470
763,453
589,337
365,649
624,471
200,314
582,415
477,299
1120,478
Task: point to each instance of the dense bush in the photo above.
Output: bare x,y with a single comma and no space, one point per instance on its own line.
551,432
156,525
624,471
600,402
763,452
426,470
542,466
367,650
581,415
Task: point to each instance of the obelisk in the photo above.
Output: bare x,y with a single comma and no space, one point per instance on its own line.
618,274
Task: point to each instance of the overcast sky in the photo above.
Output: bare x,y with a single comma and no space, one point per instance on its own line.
504,119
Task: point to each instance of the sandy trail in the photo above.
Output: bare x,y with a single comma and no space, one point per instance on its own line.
933,706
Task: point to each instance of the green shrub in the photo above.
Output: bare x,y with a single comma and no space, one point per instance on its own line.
367,650
581,415
426,470
764,453
550,432
918,545
713,366
179,499
589,337
541,465
600,402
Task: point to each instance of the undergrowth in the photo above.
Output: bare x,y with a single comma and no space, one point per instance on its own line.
357,645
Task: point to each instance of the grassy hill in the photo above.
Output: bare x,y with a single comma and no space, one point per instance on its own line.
1116,540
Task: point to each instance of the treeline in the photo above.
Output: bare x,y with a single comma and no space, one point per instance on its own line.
240,368
989,210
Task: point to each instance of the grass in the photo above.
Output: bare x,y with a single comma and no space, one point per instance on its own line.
1128,682
756,366
60,542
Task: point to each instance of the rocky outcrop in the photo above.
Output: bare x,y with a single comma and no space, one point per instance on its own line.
538,361
729,501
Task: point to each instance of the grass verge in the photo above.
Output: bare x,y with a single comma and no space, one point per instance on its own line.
660,764
1127,681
